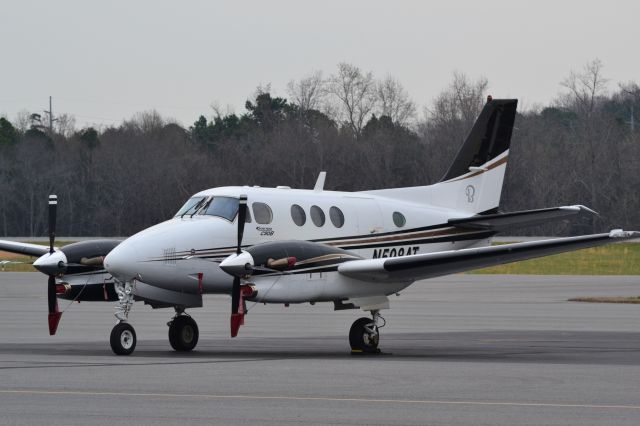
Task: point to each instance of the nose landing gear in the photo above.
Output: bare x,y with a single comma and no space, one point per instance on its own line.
123,336
123,339
364,334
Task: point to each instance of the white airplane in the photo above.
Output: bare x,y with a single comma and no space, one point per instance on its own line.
354,249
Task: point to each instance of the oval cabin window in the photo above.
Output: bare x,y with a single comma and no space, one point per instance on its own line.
262,213
298,215
317,216
398,219
336,216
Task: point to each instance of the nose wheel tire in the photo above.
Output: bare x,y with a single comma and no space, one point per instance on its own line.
123,339
364,336
183,333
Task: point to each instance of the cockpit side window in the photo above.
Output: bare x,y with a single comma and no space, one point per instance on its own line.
190,206
262,213
225,207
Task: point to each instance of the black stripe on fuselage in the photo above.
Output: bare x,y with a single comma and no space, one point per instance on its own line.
457,234
215,250
383,234
431,240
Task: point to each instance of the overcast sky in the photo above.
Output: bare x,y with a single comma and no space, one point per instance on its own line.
104,61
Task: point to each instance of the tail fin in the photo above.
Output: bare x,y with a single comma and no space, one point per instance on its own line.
473,183
489,137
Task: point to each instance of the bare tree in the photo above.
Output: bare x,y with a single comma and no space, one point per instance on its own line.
147,121
630,95
22,121
394,101
65,125
461,101
591,132
450,118
219,111
356,95
584,88
309,92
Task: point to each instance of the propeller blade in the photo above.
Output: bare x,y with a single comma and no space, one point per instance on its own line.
54,313
237,319
235,295
242,216
53,206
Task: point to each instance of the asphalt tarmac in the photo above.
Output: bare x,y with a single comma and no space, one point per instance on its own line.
464,349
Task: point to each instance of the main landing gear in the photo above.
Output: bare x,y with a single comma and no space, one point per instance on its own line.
183,332
364,334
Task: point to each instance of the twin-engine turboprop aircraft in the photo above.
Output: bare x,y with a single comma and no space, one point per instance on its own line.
354,249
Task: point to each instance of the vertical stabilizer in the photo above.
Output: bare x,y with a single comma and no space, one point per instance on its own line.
473,182
488,139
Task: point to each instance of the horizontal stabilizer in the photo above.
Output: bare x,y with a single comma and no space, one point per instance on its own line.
421,266
501,221
23,248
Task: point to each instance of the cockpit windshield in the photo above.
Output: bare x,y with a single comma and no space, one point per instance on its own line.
225,207
190,206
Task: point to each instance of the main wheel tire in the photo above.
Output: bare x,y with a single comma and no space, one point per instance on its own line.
123,339
360,339
183,333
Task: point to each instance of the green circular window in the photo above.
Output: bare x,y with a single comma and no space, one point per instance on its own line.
399,220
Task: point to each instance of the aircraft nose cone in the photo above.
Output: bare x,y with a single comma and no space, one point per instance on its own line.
51,263
122,261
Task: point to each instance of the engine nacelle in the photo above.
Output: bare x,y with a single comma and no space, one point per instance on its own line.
104,292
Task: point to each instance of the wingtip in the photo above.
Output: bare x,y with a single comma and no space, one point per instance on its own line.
581,208
627,235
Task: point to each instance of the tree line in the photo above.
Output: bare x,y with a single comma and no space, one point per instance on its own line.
582,148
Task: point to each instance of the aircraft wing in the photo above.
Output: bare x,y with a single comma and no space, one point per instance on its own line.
420,266
500,221
23,248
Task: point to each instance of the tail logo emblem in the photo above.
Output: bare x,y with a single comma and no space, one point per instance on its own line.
470,191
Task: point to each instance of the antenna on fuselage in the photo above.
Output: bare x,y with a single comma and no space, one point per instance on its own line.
319,186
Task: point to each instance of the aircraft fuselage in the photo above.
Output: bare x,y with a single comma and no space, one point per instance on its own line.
172,254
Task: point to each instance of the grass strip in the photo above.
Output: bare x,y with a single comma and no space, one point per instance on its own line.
612,259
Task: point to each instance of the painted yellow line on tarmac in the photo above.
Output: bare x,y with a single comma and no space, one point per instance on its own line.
321,398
